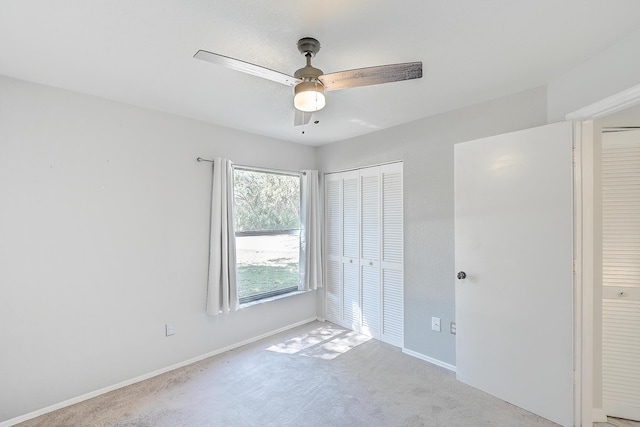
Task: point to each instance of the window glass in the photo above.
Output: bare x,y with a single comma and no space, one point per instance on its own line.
267,222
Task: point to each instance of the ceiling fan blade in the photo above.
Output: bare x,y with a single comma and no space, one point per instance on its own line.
302,118
372,75
246,67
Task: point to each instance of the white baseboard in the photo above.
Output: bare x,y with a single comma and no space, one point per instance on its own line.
90,395
599,415
427,359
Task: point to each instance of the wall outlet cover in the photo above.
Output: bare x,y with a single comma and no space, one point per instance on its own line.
435,324
169,329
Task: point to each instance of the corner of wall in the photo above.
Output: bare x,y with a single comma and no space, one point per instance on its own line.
607,73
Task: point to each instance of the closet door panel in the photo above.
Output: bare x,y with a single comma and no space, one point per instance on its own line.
392,224
351,249
621,274
334,291
392,307
370,213
333,214
392,255
370,250
350,214
350,279
371,299
333,245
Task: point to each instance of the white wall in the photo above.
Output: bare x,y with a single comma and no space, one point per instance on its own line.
613,70
426,147
103,239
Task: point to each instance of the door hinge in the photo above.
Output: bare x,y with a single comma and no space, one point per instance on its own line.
573,154
573,265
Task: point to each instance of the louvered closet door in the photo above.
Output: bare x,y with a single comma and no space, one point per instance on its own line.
351,249
370,251
621,274
333,245
392,255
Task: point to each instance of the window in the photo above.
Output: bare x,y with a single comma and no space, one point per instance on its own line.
267,224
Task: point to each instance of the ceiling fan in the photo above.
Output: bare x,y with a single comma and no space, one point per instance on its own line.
311,83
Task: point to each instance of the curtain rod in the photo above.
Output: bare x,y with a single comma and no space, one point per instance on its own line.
254,168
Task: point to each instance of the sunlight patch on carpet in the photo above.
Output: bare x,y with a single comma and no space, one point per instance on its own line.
327,342
306,340
336,347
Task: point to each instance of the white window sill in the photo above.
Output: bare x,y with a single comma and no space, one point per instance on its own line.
273,298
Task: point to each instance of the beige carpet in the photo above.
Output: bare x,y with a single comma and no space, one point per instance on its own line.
315,375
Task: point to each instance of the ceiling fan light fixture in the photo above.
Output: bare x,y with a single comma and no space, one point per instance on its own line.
309,96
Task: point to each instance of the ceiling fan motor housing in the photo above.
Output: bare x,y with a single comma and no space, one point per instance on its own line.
308,46
308,73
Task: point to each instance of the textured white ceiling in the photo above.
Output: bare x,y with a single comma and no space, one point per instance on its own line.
140,52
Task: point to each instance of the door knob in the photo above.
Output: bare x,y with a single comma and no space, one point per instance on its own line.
462,275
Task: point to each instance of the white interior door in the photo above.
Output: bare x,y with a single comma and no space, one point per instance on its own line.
621,274
514,241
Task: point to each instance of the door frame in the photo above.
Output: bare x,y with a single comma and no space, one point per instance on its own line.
585,135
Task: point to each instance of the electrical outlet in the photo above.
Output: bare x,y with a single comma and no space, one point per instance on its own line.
435,323
453,328
169,329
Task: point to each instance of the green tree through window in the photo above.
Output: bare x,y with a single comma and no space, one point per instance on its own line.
266,201
267,221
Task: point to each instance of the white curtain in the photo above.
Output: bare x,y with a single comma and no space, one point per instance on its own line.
222,291
310,233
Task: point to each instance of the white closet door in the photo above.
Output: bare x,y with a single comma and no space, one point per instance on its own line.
351,249
370,250
364,251
392,255
333,245
621,274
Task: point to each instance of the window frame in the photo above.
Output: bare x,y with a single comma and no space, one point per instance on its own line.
277,292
